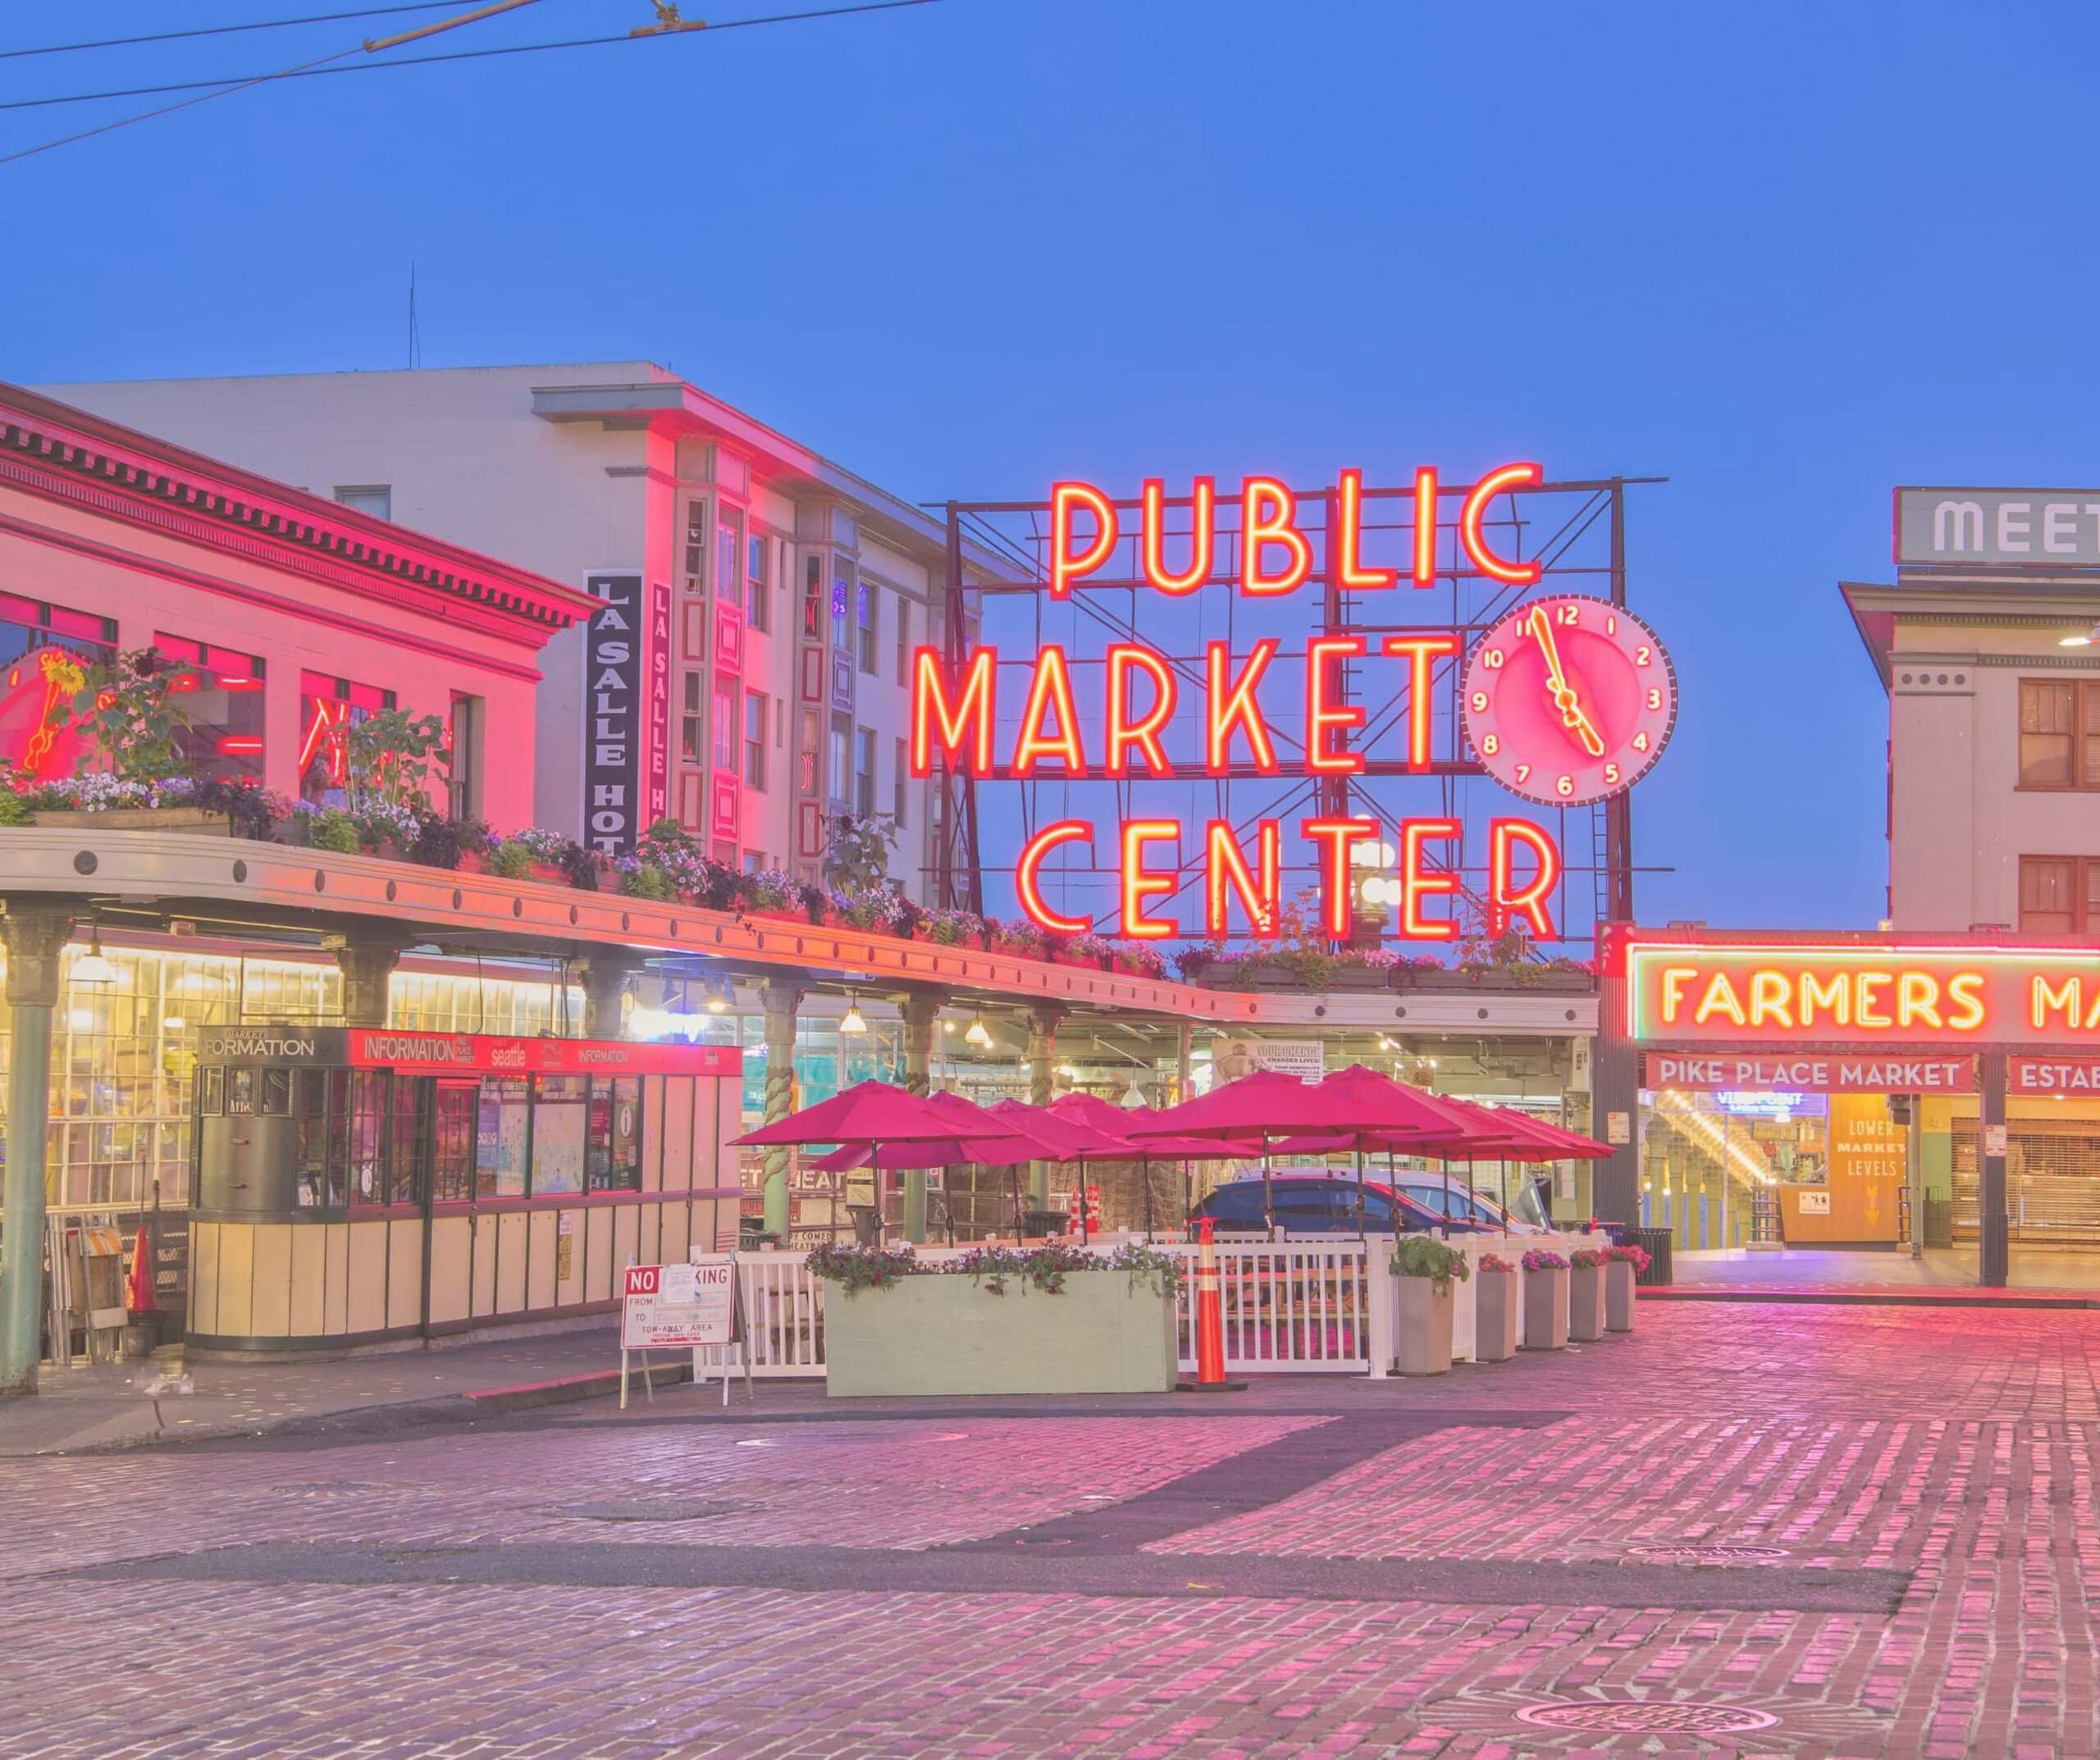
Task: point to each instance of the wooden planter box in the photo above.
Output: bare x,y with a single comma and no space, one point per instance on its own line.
1585,1303
192,821
1494,1317
1105,1333
1545,1310
1425,1323
1619,1296
1357,978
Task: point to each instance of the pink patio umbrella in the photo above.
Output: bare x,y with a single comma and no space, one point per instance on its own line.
1079,1140
1265,1104
1092,1109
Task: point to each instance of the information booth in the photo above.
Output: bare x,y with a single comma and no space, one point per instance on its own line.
359,1186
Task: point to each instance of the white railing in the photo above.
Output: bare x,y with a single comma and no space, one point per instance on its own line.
1302,1306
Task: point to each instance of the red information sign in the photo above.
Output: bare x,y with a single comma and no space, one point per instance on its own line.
425,1053
1708,1072
2078,1076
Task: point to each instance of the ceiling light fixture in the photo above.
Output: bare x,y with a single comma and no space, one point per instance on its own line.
91,971
720,998
853,1021
979,1035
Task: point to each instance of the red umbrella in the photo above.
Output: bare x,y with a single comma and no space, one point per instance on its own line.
1263,1105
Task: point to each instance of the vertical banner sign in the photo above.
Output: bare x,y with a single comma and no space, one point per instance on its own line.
612,714
659,704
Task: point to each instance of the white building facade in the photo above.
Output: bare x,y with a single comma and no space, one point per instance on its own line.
749,676
1986,645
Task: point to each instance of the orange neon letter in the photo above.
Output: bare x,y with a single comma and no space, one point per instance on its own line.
1142,735
1139,884
1966,988
1267,511
1424,652
1416,885
1223,864
1425,526
1505,901
935,718
1066,567
1334,836
1325,657
1470,518
1349,571
1028,885
1050,693
1233,705
1203,537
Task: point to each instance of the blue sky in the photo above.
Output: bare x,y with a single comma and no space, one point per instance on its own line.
1786,256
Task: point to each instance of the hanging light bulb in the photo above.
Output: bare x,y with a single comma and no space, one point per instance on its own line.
979,1035
91,971
720,998
854,1021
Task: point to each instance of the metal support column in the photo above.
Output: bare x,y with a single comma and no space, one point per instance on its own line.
780,1001
33,939
1041,1068
366,966
1992,1246
921,1009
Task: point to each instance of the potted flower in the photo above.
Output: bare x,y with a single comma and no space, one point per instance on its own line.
1426,1269
1545,1300
1585,1294
1362,968
1495,1310
133,717
1623,1266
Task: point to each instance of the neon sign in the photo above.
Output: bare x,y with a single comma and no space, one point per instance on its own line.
1590,733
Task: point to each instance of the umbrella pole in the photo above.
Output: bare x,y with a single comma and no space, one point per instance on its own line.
1359,1191
1444,1163
1144,1170
1268,1189
1079,1196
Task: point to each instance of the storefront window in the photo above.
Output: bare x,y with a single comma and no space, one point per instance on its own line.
560,1115
329,708
46,653
452,1142
322,1100
615,1135
406,1139
501,1134
369,1098
225,740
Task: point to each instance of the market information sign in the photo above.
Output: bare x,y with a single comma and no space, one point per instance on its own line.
612,714
1809,1075
2040,529
694,1307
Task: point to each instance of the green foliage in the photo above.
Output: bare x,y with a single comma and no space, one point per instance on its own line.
1424,1256
856,850
137,716
14,809
1044,1266
510,860
859,1268
1147,1266
390,757
1589,1258
335,830
648,881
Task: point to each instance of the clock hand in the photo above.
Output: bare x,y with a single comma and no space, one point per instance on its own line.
1574,716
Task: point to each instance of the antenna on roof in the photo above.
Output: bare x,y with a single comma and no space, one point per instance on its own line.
415,334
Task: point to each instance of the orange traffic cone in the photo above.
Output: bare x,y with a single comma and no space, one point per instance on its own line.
1210,1321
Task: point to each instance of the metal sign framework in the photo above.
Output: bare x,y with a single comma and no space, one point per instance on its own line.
1574,530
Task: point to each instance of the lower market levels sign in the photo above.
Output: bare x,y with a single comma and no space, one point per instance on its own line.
1833,1074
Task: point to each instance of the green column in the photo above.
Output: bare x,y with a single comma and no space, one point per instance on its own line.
34,939
921,1009
780,1002
367,969
1042,1071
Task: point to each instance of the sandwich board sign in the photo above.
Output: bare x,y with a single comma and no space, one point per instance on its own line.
696,1305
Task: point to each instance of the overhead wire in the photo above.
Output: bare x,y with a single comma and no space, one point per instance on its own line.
313,69
227,30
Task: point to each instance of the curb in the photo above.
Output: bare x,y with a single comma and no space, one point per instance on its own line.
597,1384
1873,1298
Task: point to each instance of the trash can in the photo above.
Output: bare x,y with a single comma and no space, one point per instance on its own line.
1656,1242
1035,1222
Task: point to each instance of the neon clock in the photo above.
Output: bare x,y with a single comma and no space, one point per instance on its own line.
1569,700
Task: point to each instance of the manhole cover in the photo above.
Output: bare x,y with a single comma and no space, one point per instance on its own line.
652,1509
1638,1717
1710,1555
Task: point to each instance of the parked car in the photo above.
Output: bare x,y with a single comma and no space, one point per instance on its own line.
1467,1205
1321,1204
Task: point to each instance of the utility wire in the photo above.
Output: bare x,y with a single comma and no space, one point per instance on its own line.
226,30
313,70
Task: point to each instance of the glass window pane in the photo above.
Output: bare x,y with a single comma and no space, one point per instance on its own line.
560,1116
500,1134
369,1135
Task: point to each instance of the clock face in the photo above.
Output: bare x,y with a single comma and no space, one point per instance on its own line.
1569,699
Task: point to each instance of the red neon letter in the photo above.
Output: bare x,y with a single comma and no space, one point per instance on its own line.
1325,658
1029,888
1424,652
1238,707
933,717
1223,862
1504,902
1349,571
1064,567
1415,885
1509,477
1142,734
1140,885
1202,527
1425,525
1338,909
1267,511
1050,693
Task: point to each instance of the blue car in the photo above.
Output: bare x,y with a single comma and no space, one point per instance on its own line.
1320,1204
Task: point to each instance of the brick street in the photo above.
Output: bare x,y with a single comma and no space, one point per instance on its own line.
1747,1530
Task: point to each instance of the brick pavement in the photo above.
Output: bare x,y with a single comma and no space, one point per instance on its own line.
1956,1447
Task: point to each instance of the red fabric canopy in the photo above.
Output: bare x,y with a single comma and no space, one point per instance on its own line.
1091,1109
875,1112
1265,1102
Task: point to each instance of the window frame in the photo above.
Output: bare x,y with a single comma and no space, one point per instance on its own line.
755,705
2084,777
2084,913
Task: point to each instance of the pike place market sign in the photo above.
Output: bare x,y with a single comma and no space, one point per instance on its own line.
1776,996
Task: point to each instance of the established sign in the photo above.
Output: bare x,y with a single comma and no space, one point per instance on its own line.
2017,528
612,714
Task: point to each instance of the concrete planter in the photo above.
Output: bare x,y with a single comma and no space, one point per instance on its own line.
1495,1316
193,821
1425,1329
1545,1310
1619,1296
1585,1303
1105,1333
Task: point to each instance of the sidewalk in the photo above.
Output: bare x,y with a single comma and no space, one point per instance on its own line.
2039,1277
107,1406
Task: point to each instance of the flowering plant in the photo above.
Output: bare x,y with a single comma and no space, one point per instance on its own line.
859,1268
1142,957
1544,1259
1422,1255
1495,1262
137,716
1636,1257
1044,1266
1588,1258
952,927
105,790
875,907
1148,1265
